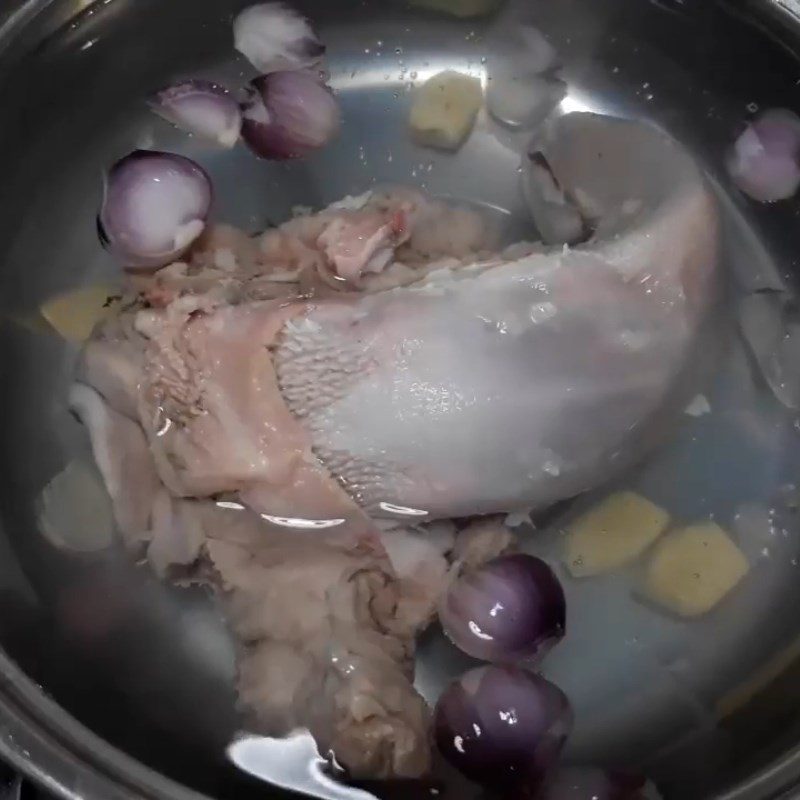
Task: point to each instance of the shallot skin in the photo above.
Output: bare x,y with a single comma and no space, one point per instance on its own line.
502,727
511,609
764,162
275,37
201,108
154,206
288,115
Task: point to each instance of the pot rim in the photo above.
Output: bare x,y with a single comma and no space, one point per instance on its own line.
49,746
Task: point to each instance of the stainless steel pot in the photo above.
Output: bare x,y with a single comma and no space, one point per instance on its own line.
115,686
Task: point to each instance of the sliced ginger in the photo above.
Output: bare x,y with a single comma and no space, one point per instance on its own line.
693,569
74,314
444,110
613,534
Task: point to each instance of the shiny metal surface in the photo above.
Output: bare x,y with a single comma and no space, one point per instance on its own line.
113,685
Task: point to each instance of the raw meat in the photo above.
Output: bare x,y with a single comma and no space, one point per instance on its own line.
510,385
283,416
